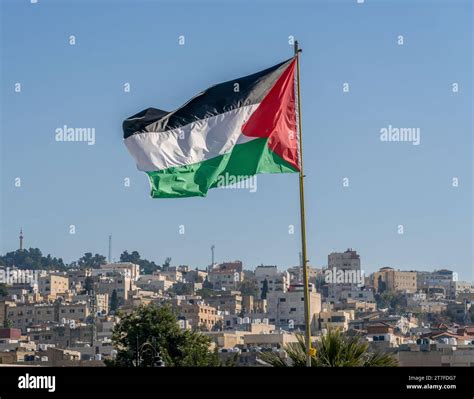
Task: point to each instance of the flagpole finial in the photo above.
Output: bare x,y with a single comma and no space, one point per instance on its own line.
297,47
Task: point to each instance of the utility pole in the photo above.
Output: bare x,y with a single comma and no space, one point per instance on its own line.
212,256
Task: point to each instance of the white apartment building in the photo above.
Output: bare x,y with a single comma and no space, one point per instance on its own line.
343,276
286,309
127,268
459,287
296,274
226,275
25,315
276,281
154,282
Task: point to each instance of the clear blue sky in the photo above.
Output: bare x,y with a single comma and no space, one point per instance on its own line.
342,41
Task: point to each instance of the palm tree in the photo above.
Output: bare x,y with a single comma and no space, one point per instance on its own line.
335,349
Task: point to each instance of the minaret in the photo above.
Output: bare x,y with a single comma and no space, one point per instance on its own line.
21,239
212,257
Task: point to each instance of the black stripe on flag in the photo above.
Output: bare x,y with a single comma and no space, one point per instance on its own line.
213,101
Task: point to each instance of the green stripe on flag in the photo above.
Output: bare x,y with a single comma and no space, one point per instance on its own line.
245,160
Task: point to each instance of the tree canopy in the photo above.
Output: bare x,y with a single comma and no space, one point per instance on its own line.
249,287
264,289
33,259
152,330
146,266
91,261
334,349
3,290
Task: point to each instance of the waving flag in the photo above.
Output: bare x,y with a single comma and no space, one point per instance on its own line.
234,129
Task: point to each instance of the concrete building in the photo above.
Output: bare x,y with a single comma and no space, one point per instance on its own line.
197,313
286,309
356,306
226,275
434,356
51,286
391,280
335,319
154,282
228,301
250,304
459,287
27,315
196,276
173,274
62,336
400,324
296,274
255,325
275,340
101,303
77,279
127,268
272,278
122,284
382,336
459,311
343,275
438,283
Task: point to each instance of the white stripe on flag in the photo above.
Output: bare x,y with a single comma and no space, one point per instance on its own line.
193,143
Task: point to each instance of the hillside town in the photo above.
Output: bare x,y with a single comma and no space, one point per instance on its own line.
67,317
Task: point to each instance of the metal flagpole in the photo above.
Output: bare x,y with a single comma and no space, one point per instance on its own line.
307,313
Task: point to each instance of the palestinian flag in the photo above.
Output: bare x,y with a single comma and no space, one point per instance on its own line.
230,131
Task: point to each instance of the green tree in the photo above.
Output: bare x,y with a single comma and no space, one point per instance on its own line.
180,288
206,293
264,289
146,266
7,323
133,257
207,285
114,304
150,330
32,259
3,290
248,287
335,349
390,300
382,286
89,284
167,263
91,261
